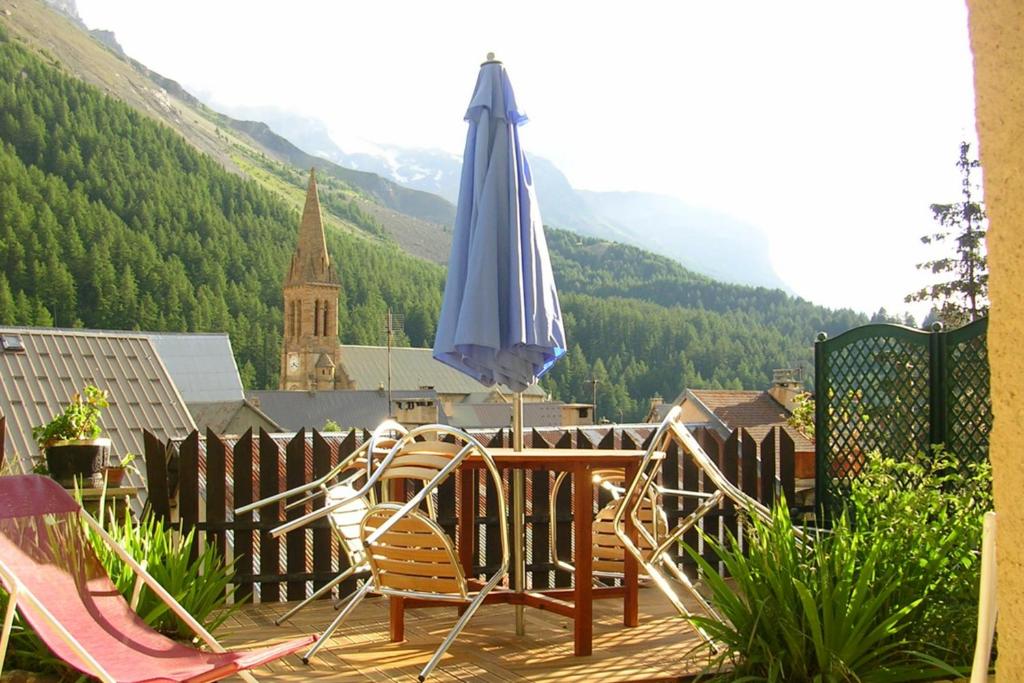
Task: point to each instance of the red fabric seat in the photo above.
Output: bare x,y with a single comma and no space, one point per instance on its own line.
44,552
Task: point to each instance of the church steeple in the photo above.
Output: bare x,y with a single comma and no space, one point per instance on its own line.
311,262
310,349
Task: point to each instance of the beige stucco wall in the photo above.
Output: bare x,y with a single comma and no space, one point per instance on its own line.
997,40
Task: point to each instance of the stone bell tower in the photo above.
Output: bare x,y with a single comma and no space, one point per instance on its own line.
310,353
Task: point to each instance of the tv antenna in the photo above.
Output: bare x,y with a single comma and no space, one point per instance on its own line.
394,323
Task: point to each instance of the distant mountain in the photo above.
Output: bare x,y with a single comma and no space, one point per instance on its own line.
704,241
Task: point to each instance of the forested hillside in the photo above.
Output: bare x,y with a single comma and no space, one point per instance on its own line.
110,220
652,327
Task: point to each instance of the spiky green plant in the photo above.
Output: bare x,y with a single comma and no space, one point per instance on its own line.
202,586
817,610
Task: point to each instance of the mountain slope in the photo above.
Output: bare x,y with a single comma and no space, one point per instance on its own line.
239,147
704,241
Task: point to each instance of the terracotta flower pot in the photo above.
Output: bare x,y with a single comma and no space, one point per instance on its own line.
73,458
114,475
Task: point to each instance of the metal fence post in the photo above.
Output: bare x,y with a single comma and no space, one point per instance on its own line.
821,459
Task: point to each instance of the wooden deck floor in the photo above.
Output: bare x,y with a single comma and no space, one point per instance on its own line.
488,650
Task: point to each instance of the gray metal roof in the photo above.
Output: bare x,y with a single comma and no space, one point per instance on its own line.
231,417
202,365
482,415
363,409
36,385
411,369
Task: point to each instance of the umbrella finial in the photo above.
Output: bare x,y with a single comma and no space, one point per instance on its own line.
491,59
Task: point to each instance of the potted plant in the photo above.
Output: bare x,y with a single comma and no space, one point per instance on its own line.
113,475
71,441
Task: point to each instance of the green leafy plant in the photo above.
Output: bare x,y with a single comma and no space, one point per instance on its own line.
802,418
930,512
200,585
331,426
26,652
823,609
80,419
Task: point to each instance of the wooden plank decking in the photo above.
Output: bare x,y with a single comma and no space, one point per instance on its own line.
488,650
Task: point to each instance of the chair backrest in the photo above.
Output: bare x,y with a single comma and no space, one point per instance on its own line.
414,556
347,512
605,544
420,460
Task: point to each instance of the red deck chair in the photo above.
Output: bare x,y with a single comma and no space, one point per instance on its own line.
53,576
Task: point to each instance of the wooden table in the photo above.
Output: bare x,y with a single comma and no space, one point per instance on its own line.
575,603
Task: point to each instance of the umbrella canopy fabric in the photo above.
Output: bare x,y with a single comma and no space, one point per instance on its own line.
500,319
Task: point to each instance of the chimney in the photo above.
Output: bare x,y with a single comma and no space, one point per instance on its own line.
786,386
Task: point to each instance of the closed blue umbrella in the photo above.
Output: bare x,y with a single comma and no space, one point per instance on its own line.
500,318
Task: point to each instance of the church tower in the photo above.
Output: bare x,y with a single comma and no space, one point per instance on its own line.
310,352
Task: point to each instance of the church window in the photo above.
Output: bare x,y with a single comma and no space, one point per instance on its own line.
316,318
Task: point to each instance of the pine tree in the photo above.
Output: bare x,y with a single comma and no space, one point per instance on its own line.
964,297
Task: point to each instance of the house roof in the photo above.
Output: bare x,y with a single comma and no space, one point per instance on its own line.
483,415
755,411
36,384
311,409
202,365
411,370
219,415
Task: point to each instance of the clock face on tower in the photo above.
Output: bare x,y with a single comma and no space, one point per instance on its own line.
293,362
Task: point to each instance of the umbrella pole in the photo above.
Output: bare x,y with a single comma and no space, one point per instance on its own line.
518,511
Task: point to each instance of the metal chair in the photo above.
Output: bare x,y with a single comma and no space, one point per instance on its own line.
608,553
342,505
657,563
409,554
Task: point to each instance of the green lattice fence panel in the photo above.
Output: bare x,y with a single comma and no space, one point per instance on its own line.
967,406
873,392
898,390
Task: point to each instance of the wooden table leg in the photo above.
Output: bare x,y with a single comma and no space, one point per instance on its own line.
396,609
631,579
465,504
467,520
583,511
396,606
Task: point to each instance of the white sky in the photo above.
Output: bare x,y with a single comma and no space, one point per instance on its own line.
829,125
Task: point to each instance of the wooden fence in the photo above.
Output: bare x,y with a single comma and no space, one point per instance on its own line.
200,481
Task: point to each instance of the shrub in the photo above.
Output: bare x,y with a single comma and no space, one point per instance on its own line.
930,511
200,585
826,609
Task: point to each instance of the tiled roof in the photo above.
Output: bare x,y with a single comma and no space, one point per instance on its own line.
755,411
294,410
36,385
411,369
